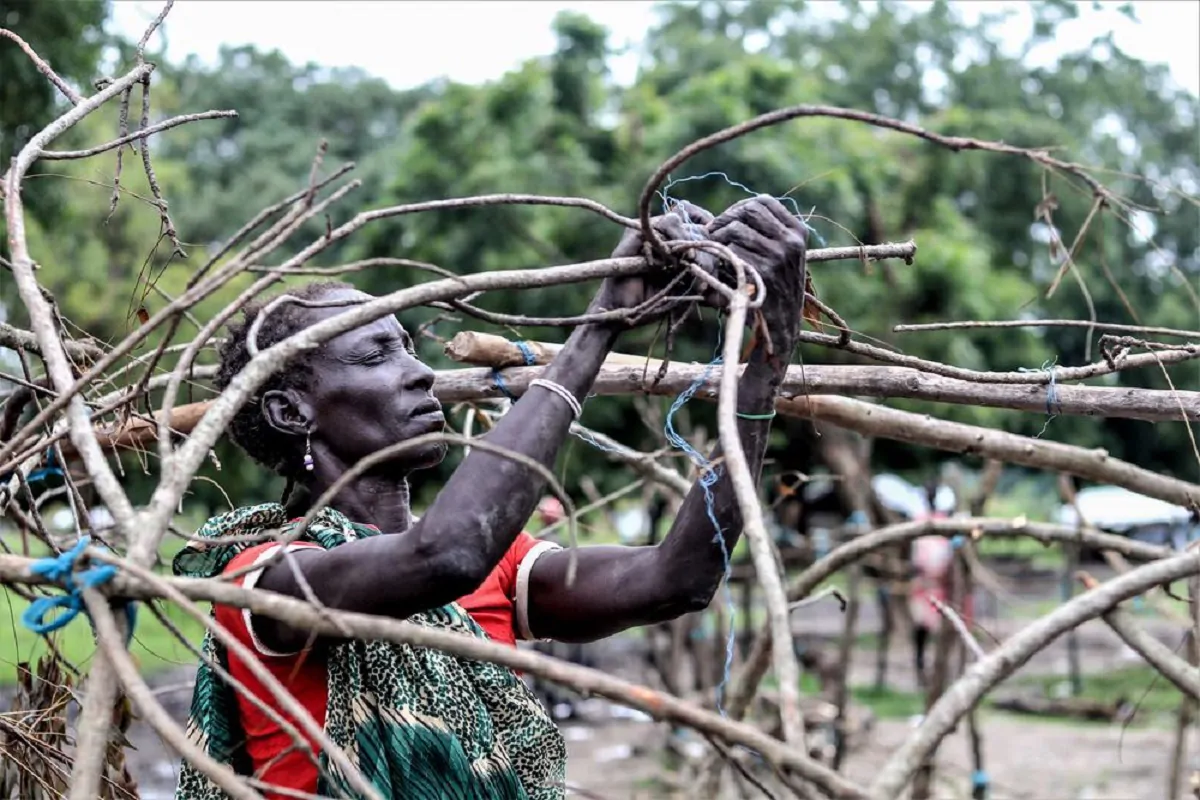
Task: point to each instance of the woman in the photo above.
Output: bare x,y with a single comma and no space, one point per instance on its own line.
420,723
932,561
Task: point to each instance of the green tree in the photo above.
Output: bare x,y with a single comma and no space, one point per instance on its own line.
69,37
559,125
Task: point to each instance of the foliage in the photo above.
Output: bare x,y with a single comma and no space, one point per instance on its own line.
560,125
69,37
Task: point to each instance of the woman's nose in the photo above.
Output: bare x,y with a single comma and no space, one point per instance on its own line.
417,375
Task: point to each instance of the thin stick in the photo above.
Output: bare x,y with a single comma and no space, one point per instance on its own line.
15,569
43,67
149,707
1144,330
167,124
960,628
1011,655
787,670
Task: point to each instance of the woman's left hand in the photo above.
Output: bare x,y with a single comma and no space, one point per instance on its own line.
684,222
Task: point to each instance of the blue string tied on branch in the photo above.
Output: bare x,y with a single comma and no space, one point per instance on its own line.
38,475
709,473
61,570
1053,403
530,361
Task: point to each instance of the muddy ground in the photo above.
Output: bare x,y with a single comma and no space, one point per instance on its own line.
618,756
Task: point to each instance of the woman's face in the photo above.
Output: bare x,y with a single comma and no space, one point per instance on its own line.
370,391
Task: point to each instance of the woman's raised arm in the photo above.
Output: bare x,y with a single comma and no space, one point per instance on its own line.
489,498
621,587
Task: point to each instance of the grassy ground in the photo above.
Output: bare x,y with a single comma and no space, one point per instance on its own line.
154,647
1156,699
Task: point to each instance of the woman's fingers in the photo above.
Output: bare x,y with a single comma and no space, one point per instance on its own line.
764,214
695,213
739,235
684,221
784,215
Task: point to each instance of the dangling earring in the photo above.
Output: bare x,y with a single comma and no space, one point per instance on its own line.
308,461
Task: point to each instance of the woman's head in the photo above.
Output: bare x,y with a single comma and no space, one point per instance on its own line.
350,397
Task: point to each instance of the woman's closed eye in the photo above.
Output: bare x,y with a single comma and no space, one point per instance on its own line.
372,358
378,354
378,351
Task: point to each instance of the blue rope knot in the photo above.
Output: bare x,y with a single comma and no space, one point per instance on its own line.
527,353
979,779
530,361
61,570
1053,403
498,379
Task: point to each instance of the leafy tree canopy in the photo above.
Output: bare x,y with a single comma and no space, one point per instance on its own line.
561,125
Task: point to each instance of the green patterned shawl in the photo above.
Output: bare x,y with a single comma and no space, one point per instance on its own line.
419,723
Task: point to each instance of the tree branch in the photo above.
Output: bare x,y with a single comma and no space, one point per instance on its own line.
1011,655
15,569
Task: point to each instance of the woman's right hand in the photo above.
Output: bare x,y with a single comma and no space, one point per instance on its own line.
763,233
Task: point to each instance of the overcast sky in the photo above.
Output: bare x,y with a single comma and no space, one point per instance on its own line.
408,43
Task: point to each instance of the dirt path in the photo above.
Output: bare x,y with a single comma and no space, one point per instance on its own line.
1027,761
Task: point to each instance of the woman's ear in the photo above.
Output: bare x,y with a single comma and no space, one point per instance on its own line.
286,412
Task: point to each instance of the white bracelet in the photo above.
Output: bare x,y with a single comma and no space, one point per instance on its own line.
524,569
561,391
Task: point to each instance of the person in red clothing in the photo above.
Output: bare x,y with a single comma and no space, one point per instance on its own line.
932,561
414,722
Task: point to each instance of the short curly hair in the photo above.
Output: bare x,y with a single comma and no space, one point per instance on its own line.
276,451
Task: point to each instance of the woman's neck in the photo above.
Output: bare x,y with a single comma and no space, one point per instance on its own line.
382,501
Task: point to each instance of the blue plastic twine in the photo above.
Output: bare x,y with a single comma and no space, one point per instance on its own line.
788,201
1053,404
527,353
709,474
530,360
39,475
61,570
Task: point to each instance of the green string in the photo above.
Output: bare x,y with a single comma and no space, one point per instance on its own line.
740,415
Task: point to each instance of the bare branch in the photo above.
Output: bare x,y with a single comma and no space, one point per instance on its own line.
1094,465
167,124
15,569
985,674
15,338
44,67
623,374
1185,676
787,670
955,143
1143,330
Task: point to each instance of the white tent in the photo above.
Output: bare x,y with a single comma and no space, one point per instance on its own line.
1117,509
897,494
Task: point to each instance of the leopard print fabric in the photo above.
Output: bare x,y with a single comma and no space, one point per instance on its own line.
418,723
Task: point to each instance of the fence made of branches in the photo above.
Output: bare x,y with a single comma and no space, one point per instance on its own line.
83,409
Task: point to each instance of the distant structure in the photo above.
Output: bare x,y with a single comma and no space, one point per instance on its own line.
1127,513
